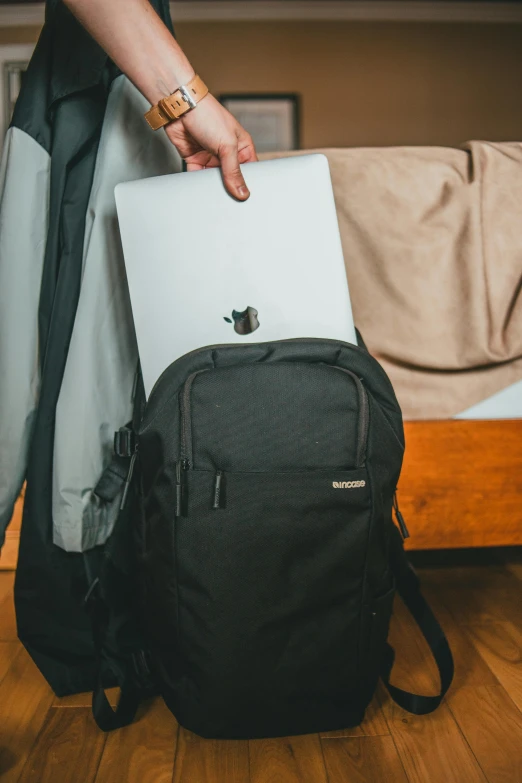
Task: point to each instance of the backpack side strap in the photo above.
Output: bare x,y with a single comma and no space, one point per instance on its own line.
408,587
108,719
105,716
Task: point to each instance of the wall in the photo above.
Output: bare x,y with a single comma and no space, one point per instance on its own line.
10,35
369,83
375,83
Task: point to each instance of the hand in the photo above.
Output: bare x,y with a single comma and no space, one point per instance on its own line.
208,137
140,44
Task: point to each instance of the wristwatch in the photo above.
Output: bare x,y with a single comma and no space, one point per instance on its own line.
176,105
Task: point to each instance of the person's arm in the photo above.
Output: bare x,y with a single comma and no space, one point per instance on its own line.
135,38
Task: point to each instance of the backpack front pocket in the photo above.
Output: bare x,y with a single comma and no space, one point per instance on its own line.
269,588
264,418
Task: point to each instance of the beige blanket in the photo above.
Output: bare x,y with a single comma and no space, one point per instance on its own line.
432,239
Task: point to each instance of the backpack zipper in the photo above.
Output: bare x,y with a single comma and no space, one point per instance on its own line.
180,507
186,456
219,499
186,452
364,415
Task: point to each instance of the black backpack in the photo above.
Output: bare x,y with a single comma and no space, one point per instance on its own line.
261,487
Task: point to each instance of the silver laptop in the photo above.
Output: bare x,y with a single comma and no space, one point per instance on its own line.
204,269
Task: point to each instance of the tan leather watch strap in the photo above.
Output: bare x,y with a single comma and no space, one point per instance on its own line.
176,105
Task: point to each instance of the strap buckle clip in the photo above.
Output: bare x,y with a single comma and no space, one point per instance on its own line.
187,97
124,442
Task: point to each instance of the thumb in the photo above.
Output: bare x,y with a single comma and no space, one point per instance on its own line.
232,176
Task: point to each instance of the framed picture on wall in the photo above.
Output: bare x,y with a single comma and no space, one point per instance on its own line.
13,76
14,59
273,120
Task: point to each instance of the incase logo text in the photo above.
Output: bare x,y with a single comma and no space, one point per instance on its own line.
348,484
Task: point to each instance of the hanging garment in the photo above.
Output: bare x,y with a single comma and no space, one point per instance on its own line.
67,347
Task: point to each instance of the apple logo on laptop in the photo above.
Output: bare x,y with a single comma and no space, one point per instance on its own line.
245,322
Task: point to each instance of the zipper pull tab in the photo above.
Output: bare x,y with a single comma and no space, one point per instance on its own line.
400,519
219,499
128,479
181,489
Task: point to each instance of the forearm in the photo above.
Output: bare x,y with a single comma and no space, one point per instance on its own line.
135,38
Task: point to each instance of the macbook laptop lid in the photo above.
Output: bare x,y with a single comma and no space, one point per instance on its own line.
204,269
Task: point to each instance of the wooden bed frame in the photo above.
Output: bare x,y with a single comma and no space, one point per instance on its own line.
461,486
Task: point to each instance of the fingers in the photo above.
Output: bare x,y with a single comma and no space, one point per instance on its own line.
199,162
232,176
210,136
247,150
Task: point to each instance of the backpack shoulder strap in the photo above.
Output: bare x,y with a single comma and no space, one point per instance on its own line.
408,587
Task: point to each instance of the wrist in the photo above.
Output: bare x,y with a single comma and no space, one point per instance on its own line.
171,72
169,81
175,105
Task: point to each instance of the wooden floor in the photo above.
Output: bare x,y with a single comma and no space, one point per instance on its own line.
476,735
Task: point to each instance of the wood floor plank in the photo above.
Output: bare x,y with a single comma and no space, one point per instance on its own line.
8,632
470,667
480,594
431,747
144,751
6,584
85,699
287,760
495,742
500,644
25,699
515,569
363,760
8,652
67,750
210,761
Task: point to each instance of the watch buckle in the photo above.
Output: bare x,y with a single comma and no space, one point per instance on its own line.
187,97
